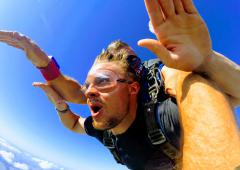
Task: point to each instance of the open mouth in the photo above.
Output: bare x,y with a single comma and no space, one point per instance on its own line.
95,109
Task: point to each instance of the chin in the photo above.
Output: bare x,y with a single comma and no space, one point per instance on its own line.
107,125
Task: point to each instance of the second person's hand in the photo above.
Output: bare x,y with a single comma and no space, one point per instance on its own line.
183,41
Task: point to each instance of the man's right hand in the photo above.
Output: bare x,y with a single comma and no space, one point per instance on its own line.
35,54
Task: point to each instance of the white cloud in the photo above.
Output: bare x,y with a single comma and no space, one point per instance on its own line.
4,143
2,140
150,27
8,156
21,166
44,164
36,159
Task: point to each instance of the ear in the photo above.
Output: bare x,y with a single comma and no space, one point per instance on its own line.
134,88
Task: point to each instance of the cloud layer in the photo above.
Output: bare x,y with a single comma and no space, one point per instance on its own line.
13,158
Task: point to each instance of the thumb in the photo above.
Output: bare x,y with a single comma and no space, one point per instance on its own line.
156,47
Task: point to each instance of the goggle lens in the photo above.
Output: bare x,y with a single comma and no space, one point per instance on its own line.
102,80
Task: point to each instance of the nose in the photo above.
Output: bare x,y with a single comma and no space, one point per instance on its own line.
91,91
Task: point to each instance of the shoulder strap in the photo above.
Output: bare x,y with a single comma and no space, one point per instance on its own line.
155,83
109,142
155,134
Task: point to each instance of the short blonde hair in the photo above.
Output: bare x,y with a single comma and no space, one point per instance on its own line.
120,52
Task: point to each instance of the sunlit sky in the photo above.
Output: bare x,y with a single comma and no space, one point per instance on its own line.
74,32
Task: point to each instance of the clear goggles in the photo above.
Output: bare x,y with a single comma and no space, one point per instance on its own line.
103,80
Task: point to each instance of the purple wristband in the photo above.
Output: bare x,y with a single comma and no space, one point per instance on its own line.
52,71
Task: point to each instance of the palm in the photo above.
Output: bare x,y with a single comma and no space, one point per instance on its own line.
188,45
183,39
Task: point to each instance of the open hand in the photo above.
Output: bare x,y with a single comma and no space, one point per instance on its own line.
183,38
33,52
52,95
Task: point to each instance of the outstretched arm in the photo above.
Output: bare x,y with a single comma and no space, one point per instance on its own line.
183,42
68,88
70,120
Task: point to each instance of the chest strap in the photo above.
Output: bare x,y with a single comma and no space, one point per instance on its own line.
109,142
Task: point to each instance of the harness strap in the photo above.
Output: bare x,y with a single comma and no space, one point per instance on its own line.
108,142
155,133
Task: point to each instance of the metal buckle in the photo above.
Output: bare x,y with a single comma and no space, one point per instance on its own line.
156,137
109,143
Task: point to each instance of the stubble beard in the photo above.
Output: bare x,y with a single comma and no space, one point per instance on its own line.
106,125
110,123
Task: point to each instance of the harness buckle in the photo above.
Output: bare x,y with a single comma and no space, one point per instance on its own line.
156,137
109,143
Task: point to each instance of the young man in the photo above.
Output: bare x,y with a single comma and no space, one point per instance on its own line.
112,92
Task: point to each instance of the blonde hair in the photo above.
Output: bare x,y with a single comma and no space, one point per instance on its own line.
121,53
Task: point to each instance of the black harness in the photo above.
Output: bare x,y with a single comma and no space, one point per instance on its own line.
150,99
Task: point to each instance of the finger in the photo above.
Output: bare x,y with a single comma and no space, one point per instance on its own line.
50,92
46,88
4,34
43,86
9,35
156,47
189,6
154,12
167,7
178,6
13,38
52,95
14,44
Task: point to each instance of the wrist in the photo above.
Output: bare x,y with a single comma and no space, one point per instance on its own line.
44,63
204,67
51,71
63,108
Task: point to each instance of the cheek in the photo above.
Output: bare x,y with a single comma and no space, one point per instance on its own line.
116,101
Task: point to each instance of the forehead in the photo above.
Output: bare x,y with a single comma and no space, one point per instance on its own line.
111,66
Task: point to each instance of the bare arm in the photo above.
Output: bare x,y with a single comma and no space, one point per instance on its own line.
208,141
69,119
225,73
68,88
183,42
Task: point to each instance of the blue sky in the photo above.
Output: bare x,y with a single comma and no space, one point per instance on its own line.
74,32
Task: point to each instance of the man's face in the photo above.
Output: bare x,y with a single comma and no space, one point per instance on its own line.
107,92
